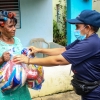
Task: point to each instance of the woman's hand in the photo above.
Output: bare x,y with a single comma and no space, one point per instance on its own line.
34,50
21,59
6,56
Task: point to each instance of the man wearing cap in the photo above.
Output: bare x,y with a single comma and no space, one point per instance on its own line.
83,54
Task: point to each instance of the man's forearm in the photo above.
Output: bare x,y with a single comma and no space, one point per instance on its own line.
52,52
49,61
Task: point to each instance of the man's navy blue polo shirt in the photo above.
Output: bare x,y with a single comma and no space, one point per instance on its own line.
85,58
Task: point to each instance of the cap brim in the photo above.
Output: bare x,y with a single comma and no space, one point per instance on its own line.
74,21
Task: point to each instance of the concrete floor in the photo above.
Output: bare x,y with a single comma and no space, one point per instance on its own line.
61,96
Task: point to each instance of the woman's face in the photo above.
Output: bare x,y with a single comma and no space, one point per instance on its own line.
9,28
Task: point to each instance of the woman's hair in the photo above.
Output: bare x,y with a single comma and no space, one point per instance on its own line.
4,15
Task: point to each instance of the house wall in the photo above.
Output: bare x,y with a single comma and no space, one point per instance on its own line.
36,21
73,10
57,80
96,6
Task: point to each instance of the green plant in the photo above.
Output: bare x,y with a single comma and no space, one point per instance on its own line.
59,36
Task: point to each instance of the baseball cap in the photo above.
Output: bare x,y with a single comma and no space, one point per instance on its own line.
89,17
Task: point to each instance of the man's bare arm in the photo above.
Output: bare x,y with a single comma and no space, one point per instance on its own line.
50,52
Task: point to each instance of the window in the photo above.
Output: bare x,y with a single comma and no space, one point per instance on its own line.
11,5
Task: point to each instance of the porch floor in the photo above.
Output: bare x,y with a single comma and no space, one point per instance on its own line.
70,95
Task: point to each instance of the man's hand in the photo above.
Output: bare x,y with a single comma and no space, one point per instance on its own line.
34,50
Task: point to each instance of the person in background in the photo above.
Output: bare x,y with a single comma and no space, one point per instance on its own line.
8,41
83,54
